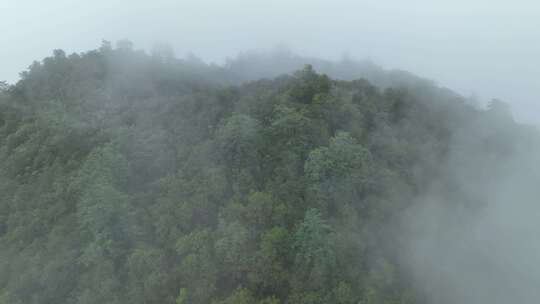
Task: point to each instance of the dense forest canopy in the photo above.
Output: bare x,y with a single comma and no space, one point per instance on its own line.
129,177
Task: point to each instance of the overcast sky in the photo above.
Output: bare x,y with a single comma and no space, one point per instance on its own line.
489,48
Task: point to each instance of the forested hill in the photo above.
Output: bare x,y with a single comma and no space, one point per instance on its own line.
135,178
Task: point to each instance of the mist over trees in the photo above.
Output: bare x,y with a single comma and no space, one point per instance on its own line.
129,177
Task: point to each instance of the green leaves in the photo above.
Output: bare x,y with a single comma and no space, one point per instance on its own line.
237,139
233,249
102,214
128,178
342,157
311,242
308,85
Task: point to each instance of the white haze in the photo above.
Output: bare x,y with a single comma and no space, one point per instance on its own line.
489,254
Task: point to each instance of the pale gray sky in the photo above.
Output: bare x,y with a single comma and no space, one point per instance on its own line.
486,47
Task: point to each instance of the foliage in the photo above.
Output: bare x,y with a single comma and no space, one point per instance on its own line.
130,178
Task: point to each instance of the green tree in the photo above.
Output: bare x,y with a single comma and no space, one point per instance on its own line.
314,255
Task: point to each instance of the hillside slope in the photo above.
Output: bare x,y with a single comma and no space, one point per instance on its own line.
131,178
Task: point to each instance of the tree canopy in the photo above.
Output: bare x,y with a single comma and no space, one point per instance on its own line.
135,178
